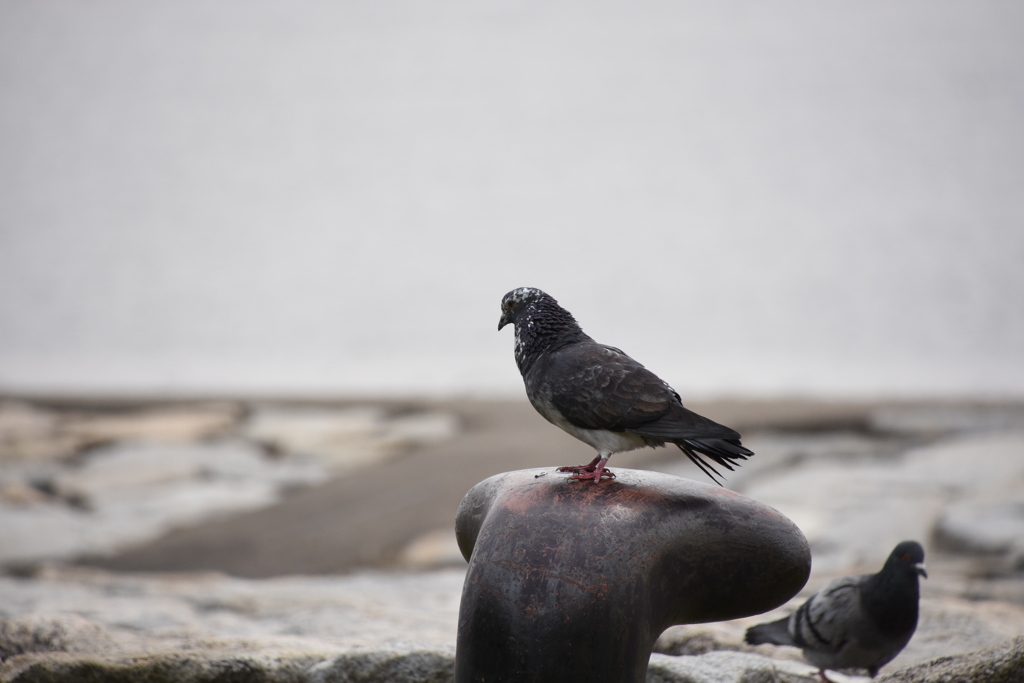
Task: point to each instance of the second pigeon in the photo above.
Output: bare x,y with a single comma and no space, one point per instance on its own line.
603,397
855,622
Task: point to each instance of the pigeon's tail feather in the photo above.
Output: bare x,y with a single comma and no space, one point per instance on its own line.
774,632
724,452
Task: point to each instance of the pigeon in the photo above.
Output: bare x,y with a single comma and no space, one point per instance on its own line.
603,397
855,622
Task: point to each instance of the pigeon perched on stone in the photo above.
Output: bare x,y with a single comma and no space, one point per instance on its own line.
855,622
600,395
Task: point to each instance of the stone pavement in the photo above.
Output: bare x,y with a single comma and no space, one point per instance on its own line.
77,482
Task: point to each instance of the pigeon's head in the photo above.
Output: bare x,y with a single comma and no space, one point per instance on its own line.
518,301
909,556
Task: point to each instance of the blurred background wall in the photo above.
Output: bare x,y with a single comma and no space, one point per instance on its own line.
331,198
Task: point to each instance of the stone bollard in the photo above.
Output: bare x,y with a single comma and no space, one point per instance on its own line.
574,581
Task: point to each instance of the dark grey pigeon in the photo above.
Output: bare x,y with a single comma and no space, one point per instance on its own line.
602,396
856,622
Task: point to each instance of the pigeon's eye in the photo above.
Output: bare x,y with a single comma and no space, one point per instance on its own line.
509,305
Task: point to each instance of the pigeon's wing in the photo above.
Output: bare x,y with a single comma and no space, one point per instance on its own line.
682,423
825,622
599,387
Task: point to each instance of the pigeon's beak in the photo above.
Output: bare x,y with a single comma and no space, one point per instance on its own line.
505,320
920,569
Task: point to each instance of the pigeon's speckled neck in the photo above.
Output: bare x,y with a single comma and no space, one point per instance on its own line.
543,326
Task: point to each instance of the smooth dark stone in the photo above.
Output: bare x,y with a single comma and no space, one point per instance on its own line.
574,581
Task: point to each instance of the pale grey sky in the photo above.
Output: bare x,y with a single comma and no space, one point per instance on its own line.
750,198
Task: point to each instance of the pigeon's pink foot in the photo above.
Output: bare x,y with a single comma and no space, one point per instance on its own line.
594,470
596,475
576,469
824,678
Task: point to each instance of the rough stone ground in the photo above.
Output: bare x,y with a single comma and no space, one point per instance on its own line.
190,493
